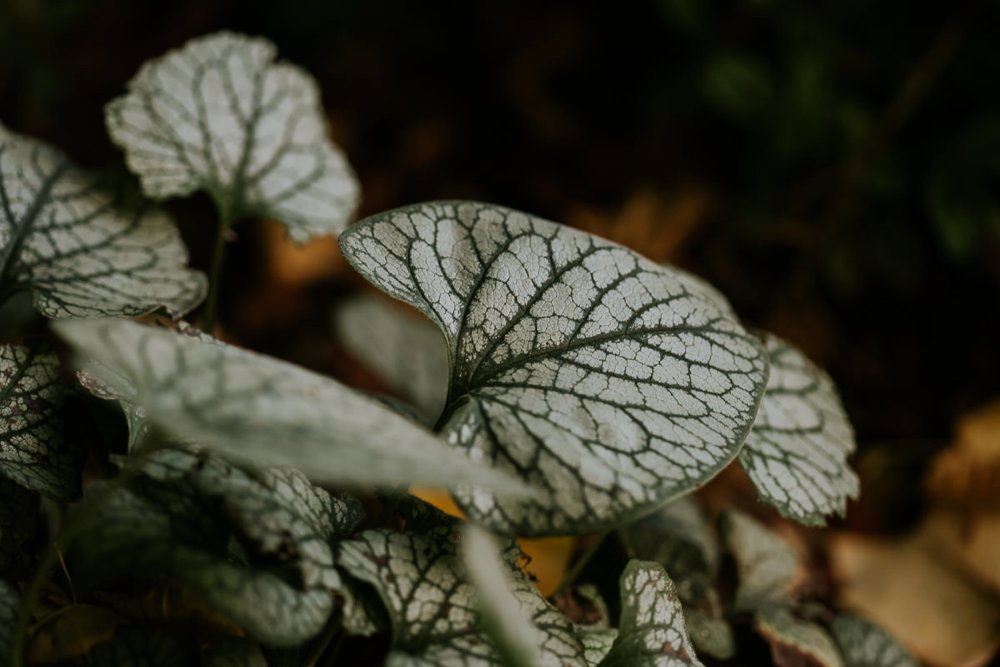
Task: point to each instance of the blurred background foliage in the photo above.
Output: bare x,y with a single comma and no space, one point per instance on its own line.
833,167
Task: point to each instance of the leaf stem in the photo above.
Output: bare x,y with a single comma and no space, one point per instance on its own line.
215,276
580,563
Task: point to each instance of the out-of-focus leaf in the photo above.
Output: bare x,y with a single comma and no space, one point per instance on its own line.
738,85
406,352
140,647
794,641
232,653
71,632
433,608
680,538
589,371
18,511
768,567
967,474
261,410
62,238
176,519
220,115
651,630
33,448
797,452
864,644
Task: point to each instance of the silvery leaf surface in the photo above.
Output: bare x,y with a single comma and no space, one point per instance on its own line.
864,644
434,607
598,377
797,452
794,640
651,631
219,114
176,517
261,410
63,238
766,564
407,352
34,451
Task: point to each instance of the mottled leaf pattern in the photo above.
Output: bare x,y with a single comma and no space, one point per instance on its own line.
679,537
221,115
62,237
795,641
796,453
408,353
767,565
651,631
10,603
594,374
33,448
597,643
864,644
177,518
251,407
433,607
18,511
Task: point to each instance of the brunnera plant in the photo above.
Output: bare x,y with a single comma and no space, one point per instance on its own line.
560,385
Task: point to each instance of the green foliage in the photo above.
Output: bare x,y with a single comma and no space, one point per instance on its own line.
578,386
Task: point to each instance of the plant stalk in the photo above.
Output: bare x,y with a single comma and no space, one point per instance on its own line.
215,276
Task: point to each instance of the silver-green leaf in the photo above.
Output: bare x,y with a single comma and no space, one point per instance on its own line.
178,518
408,353
219,114
651,632
33,448
796,640
597,643
258,409
797,452
62,237
594,374
766,564
864,644
434,607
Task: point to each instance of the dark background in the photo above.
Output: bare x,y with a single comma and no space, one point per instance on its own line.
833,167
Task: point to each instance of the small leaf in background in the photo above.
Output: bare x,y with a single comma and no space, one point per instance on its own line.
262,410
796,454
33,448
219,114
406,351
864,644
651,629
768,567
10,603
18,512
590,372
176,521
967,474
62,238
680,537
794,641
433,608
738,84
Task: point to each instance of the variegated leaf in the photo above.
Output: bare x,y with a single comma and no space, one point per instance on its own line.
219,114
651,632
62,238
254,408
864,644
594,374
177,517
767,565
797,452
33,448
433,607
597,643
795,641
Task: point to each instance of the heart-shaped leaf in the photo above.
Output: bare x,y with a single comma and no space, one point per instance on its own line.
254,408
220,115
62,237
594,374
434,607
10,604
795,641
408,353
864,644
651,630
797,452
768,567
679,537
33,448
175,520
